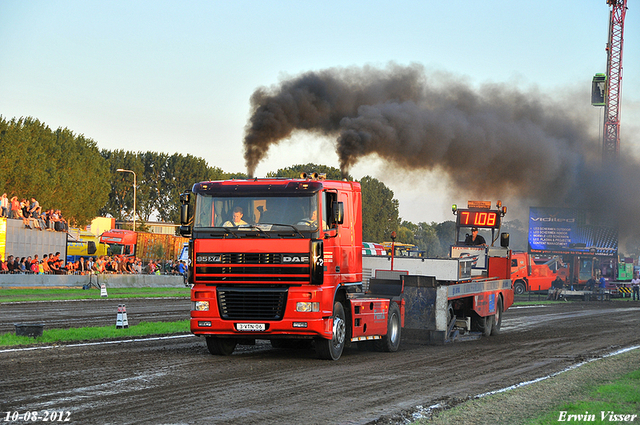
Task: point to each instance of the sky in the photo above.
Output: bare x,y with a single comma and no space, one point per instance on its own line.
177,76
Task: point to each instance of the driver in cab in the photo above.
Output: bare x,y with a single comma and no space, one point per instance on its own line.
313,221
237,218
474,239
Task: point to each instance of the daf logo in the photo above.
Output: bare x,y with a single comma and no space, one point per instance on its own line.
208,259
295,259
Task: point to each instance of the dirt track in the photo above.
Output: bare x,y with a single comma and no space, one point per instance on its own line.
177,381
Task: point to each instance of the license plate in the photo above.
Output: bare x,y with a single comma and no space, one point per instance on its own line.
251,327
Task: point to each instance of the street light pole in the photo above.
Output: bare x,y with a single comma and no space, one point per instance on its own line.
134,194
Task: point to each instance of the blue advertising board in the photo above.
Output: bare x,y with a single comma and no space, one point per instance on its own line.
560,231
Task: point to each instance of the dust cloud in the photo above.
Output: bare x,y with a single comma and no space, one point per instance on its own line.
495,141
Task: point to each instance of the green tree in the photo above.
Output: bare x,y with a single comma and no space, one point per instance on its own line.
379,210
182,173
120,200
59,169
446,233
152,182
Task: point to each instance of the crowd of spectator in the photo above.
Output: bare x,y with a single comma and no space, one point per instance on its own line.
31,214
53,264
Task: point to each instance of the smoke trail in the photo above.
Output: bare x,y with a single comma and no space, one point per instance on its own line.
492,141
318,101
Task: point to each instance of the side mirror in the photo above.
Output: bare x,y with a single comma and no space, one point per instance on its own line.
504,240
338,212
184,214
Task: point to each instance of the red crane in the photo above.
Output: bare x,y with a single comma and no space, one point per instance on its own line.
611,136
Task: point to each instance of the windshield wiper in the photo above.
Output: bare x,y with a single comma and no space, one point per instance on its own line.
252,226
287,225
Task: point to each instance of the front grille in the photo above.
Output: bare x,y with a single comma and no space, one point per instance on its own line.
272,268
251,258
252,303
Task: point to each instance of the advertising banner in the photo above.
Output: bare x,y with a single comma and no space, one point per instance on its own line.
560,231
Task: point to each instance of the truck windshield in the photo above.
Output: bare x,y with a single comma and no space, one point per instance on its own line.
257,213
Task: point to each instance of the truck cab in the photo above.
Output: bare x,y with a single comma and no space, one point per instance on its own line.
274,259
536,273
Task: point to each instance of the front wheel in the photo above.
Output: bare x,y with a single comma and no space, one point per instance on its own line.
331,349
391,341
519,288
221,346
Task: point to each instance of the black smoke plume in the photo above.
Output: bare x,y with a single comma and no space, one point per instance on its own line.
495,141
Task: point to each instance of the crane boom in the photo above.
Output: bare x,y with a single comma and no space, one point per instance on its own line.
611,136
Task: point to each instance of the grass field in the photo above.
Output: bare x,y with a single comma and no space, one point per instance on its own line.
56,336
46,294
596,390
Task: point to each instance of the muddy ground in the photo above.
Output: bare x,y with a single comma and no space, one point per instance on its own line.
175,381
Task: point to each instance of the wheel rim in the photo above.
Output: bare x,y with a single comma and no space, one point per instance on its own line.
395,327
339,331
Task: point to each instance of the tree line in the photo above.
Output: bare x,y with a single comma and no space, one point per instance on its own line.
66,171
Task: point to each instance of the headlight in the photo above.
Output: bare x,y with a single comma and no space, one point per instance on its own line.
306,306
201,305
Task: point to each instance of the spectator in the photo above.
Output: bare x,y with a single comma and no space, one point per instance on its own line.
45,264
23,265
10,263
62,223
168,267
15,208
33,206
89,264
81,266
41,267
24,206
53,265
182,268
3,267
4,205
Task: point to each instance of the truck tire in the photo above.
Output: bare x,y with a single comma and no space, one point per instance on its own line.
482,324
488,325
391,341
221,346
519,288
497,319
331,349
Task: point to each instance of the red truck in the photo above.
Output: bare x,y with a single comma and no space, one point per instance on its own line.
144,245
281,260
535,274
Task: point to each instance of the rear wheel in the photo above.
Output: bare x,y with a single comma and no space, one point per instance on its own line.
221,346
497,322
391,341
483,324
488,325
331,349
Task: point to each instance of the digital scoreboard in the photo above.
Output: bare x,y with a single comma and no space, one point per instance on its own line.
478,218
